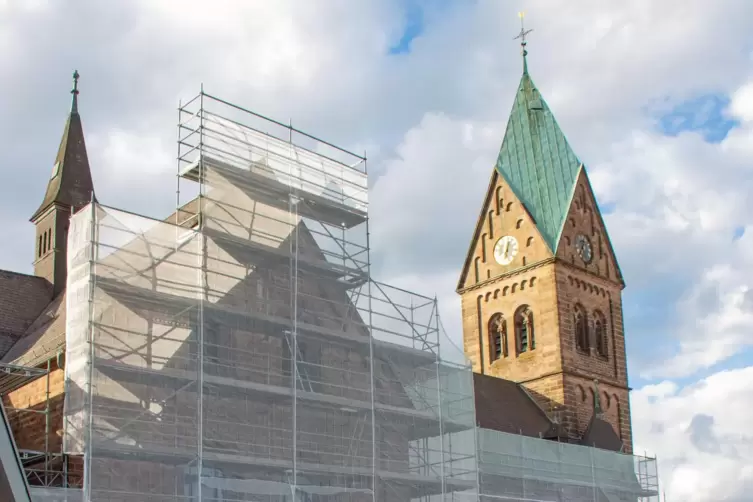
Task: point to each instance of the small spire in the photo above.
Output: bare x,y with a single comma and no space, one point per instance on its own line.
522,37
74,91
597,399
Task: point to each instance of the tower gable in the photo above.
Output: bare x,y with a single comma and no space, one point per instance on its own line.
584,228
502,215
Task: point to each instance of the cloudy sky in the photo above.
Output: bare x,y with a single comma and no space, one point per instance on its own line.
655,97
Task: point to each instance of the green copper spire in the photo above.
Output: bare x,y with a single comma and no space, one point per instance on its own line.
536,160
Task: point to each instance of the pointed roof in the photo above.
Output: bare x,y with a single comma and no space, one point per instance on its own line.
536,160
71,182
600,433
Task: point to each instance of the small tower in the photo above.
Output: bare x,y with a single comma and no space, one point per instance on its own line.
70,187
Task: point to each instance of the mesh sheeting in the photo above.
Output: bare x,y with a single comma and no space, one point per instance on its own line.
39,494
253,358
514,467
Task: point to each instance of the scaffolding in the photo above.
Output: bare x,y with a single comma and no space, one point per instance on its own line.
521,468
240,350
42,457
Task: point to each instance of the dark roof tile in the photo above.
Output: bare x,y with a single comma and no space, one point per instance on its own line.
503,405
22,298
44,338
601,434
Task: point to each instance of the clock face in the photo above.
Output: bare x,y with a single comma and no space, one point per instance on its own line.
583,248
505,250
55,169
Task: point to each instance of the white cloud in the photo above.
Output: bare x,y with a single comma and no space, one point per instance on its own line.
436,118
700,434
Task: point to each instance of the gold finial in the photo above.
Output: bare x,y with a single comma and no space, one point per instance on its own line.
522,37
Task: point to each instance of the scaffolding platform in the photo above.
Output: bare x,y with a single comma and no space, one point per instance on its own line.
240,350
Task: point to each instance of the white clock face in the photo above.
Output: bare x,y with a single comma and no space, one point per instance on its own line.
55,169
505,250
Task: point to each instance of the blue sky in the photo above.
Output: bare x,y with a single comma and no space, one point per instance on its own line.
657,106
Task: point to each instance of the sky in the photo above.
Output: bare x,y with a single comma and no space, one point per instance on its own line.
656,98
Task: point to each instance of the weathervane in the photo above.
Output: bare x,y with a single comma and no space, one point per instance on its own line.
522,37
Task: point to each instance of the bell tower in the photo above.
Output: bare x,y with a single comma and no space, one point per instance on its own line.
69,188
540,286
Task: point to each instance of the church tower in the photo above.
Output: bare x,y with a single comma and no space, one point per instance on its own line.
541,287
70,187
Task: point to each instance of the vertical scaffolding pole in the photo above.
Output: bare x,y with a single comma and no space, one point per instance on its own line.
439,404
293,264
203,286
90,384
47,427
374,451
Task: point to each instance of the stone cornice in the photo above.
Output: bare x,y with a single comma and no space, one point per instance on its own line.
506,275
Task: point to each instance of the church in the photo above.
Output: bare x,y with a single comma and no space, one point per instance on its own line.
239,349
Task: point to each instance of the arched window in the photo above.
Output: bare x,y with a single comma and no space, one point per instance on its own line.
497,337
580,322
600,334
524,335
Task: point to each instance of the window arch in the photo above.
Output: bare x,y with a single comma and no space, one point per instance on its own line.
600,334
524,333
497,337
580,323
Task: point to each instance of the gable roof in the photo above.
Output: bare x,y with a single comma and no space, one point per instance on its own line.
504,406
537,162
601,434
44,339
22,298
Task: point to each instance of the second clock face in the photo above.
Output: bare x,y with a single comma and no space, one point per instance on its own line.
505,250
583,248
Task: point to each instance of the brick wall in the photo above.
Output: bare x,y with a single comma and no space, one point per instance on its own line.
29,426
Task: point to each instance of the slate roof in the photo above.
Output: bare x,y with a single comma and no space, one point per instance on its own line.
22,298
601,434
44,338
504,406
71,182
537,162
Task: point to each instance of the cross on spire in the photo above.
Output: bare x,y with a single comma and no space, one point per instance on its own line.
74,91
522,37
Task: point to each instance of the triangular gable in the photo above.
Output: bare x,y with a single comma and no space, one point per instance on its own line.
502,214
584,217
477,232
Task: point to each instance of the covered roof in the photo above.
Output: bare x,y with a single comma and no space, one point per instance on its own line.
505,406
71,182
22,298
44,339
601,434
537,162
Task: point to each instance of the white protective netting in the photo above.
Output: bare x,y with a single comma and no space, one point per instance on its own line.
516,467
247,355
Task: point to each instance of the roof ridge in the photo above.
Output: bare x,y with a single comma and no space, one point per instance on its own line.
23,274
